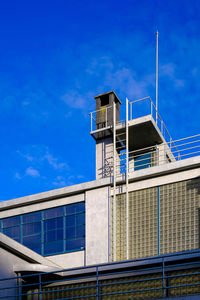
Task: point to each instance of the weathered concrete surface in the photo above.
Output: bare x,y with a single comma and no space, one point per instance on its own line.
68,260
104,156
97,225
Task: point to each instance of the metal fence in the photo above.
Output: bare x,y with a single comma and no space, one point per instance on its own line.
150,278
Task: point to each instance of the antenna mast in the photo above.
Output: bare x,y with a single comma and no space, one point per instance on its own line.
156,76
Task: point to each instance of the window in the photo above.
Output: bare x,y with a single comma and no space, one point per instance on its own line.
104,100
142,161
51,231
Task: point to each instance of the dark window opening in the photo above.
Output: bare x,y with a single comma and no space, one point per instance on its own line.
104,100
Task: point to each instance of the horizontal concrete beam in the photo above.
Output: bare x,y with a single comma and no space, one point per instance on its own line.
54,194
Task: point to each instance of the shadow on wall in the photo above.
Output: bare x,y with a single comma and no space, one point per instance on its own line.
194,184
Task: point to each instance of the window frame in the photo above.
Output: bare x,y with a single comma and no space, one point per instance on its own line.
79,209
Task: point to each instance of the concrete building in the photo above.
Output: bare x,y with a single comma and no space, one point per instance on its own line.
133,233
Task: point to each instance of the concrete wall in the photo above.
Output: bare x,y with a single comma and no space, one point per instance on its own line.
7,260
97,226
104,153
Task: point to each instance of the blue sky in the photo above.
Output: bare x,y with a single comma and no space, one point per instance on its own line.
55,56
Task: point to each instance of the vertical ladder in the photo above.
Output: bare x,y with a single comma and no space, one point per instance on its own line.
120,166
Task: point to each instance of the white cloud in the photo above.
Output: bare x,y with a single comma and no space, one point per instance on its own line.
32,172
59,181
125,80
169,70
17,175
101,63
53,161
74,100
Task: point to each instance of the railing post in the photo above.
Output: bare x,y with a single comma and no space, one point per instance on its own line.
91,120
127,175
163,277
40,287
106,116
114,180
131,104
19,282
97,274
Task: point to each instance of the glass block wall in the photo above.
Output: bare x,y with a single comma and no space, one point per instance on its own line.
120,227
162,220
179,216
51,231
142,224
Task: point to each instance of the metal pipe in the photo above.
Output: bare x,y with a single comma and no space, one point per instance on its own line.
114,180
156,76
127,174
163,273
40,287
139,100
97,275
190,137
185,144
181,150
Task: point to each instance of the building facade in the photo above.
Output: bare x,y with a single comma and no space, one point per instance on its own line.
133,233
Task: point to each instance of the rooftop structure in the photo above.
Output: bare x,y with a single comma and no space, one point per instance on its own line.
133,233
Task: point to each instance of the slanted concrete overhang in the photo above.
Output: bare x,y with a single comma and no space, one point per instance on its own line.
34,268
25,253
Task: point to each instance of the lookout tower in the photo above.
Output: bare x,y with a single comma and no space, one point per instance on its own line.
139,142
107,108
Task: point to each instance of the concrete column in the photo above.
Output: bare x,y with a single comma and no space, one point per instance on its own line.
97,226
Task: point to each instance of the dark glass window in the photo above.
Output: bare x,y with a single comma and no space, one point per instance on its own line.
142,161
53,235
53,213
51,231
9,222
31,228
13,232
32,217
53,248
53,223
75,244
32,240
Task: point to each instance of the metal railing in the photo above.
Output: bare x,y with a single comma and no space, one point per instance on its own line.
101,118
170,151
161,276
154,155
145,106
186,147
